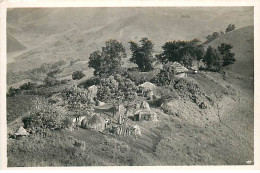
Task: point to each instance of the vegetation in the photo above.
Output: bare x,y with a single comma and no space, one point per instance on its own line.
212,59
227,56
107,61
117,88
231,27
166,76
142,54
213,36
77,75
184,52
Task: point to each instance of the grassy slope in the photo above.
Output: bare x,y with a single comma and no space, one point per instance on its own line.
195,136
243,46
56,34
13,45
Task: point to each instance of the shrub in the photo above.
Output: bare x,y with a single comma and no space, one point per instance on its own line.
116,88
77,75
48,117
140,77
28,86
12,92
89,82
166,76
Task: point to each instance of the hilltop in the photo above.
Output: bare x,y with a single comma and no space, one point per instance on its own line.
242,41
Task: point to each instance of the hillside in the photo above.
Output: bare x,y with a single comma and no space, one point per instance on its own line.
242,41
13,45
65,33
186,118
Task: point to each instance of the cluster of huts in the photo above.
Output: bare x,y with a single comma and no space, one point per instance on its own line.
124,120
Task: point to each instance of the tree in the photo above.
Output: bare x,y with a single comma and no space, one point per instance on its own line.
12,92
166,75
116,88
77,100
227,56
107,61
179,50
77,75
215,35
231,27
142,55
212,59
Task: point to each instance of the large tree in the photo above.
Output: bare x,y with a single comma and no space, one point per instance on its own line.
227,56
183,52
107,61
212,59
142,54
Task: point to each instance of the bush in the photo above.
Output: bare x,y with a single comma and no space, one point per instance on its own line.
140,77
77,75
116,88
166,75
47,117
12,92
28,86
89,82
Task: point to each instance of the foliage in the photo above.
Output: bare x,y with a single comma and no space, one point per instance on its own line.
107,61
231,27
45,116
47,67
212,59
183,52
166,75
77,75
140,77
12,92
51,79
77,100
117,88
191,89
28,86
214,36
142,54
227,56
89,82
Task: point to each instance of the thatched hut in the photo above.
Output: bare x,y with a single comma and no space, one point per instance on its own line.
21,132
95,123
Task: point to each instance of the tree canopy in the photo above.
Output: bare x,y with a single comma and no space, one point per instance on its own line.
227,56
142,54
183,52
212,59
107,61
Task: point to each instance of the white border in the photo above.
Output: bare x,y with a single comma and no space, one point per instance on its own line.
126,3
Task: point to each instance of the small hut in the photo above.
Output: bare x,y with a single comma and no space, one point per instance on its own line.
21,132
95,123
180,71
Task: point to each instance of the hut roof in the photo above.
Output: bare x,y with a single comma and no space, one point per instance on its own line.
179,68
148,85
95,119
21,132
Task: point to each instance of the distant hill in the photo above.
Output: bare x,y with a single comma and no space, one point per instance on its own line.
51,34
242,41
13,45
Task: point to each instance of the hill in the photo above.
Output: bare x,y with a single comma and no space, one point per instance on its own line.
51,34
242,41
13,45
